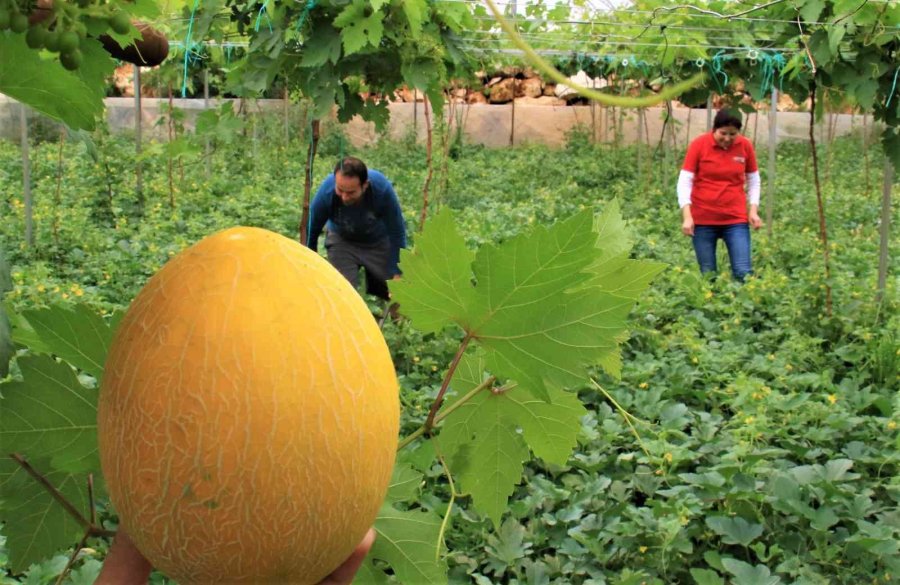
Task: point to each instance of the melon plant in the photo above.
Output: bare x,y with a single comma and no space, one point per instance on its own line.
248,414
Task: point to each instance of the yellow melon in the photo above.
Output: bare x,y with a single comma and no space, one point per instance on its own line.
248,414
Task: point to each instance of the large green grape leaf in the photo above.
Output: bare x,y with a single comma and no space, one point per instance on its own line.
359,29
49,414
78,335
323,46
44,85
440,290
483,441
35,524
415,11
408,541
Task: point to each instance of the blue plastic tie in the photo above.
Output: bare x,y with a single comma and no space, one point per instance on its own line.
309,6
263,11
187,45
893,88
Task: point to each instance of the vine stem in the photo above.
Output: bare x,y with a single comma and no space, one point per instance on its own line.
610,100
453,494
626,415
429,422
421,430
90,529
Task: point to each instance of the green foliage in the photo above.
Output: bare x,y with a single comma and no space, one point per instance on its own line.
753,409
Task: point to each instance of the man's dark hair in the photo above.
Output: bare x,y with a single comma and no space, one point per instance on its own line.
727,118
350,166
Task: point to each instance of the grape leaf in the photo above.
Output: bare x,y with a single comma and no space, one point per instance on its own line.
415,15
49,414
483,441
357,29
747,574
323,45
77,335
407,541
405,483
441,290
43,84
35,524
368,574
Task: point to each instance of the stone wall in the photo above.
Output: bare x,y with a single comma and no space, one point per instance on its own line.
518,122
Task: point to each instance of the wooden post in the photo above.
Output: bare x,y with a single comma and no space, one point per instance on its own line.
207,146
885,228
415,115
307,185
26,176
138,167
770,171
512,120
287,117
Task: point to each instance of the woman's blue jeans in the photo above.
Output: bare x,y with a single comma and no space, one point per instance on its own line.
737,240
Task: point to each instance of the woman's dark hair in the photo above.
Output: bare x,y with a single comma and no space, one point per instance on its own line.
350,166
727,118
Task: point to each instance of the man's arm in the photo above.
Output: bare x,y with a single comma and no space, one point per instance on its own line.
396,228
319,210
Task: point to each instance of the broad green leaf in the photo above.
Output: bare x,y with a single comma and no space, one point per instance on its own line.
409,542
527,271
624,277
746,574
78,335
613,236
508,544
811,10
368,574
554,344
415,11
482,439
35,524
836,470
324,45
43,84
96,67
357,29
487,452
735,530
49,414
706,577
436,288
405,484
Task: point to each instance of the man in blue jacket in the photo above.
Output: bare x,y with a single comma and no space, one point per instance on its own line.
365,224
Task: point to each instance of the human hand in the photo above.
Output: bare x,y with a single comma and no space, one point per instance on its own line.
687,226
125,565
755,221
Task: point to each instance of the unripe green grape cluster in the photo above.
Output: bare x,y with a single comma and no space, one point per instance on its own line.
57,25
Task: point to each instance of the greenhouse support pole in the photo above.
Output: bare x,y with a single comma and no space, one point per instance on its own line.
415,115
138,171
770,171
885,228
512,122
709,104
287,117
26,176
207,147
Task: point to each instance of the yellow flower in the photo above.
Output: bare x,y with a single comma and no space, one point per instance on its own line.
788,367
749,420
892,425
415,359
832,398
65,295
643,549
40,288
668,457
79,293
708,295
771,357
694,360
643,385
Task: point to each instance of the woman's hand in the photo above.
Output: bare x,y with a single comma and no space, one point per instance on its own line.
687,222
755,221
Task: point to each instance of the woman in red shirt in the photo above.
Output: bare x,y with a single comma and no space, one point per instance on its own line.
713,198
